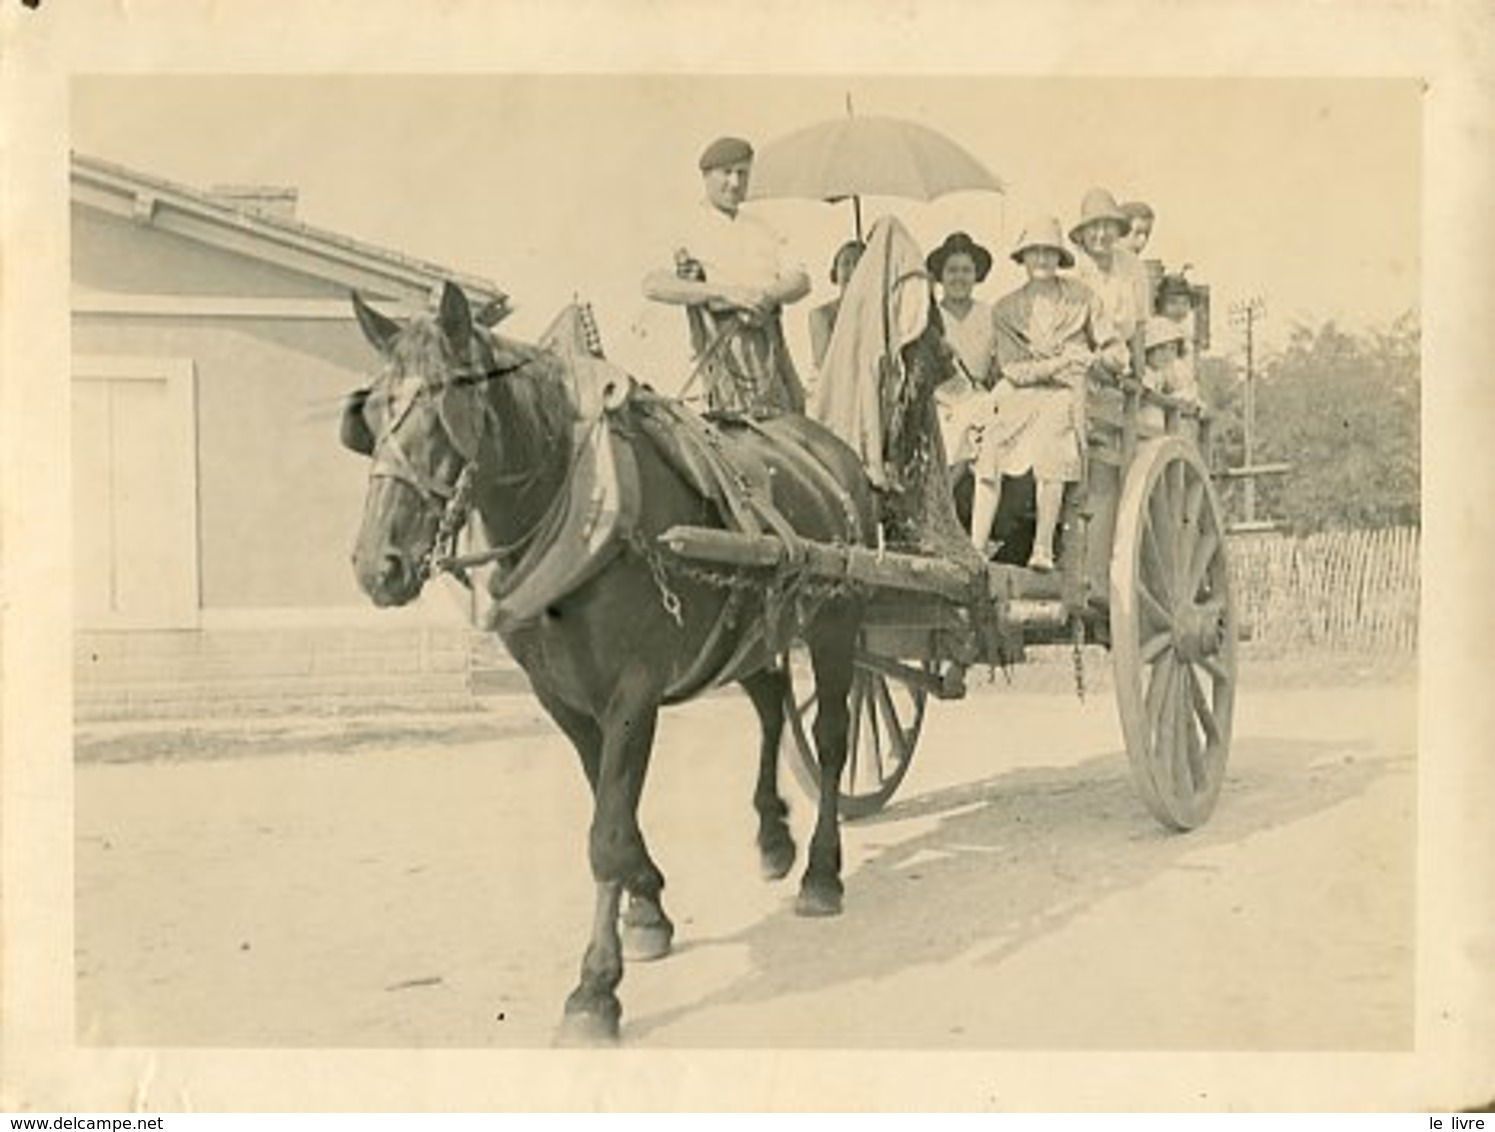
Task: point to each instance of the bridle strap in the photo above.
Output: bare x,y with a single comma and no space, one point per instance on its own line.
455,500
392,462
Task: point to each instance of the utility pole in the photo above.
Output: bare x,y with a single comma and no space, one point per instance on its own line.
1244,313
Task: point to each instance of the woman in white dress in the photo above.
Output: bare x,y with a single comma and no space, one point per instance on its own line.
1048,335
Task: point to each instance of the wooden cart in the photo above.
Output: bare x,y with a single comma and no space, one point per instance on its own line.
1141,569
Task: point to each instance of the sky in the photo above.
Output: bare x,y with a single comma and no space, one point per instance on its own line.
1305,192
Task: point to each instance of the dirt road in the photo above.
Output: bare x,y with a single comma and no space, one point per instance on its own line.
427,886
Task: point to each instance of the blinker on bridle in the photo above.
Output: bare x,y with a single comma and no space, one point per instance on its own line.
454,501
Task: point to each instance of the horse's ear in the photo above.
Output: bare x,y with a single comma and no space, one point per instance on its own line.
379,329
455,315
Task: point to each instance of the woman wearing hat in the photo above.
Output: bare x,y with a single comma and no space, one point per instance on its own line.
1114,273
823,317
1049,332
964,404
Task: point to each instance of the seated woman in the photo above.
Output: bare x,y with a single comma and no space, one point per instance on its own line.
964,402
1049,334
1112,271
823,317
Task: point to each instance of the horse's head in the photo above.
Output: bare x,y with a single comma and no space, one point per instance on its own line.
422,421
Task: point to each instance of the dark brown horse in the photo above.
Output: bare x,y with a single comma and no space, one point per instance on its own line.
455,398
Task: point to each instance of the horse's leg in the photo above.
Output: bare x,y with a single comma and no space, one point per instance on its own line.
768,691
832,652
619,859
647,931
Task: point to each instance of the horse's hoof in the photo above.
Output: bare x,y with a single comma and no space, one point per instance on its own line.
817,900
645,942
775,861
585,1029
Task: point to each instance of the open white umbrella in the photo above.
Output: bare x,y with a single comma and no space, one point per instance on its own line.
854,156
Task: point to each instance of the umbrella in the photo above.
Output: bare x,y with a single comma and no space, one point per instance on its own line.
866,156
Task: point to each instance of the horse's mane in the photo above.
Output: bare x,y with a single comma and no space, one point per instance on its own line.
527,397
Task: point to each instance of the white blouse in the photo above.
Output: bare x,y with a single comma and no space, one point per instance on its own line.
973,339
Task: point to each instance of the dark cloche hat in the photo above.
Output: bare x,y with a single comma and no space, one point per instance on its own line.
957,243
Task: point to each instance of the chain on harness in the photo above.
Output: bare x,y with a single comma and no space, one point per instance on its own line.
442,557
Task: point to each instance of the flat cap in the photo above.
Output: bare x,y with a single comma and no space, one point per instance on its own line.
725,151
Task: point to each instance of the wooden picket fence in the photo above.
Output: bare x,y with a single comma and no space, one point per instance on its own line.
1351,590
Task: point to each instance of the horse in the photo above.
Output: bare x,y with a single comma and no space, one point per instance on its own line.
461,417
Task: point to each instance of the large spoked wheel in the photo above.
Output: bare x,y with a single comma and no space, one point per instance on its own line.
887,715
1173,632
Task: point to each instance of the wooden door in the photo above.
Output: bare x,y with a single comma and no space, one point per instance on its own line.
134,494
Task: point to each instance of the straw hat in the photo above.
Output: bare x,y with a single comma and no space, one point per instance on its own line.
1098,204
958,243
1043,232
1160,331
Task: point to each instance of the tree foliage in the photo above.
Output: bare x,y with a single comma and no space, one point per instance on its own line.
1344,410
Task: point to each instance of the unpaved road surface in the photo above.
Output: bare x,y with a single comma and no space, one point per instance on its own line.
425,884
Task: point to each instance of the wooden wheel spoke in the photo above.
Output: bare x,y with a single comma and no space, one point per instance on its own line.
1156,687
1203,711
1205,552
1153,563
854,727
1159,522
1185,758
1165,732
1213,666
1189,533
894,725
870,706
1155,608
1194,504
1153,647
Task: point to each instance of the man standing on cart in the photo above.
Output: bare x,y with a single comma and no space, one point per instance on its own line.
731,276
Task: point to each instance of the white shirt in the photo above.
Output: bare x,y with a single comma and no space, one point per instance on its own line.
738,250
973,338
1123,291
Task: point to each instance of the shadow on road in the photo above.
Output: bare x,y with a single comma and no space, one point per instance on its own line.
981,870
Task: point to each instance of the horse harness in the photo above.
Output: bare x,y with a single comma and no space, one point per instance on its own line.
595,513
